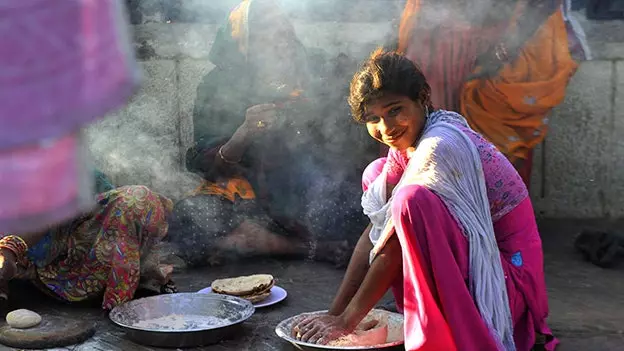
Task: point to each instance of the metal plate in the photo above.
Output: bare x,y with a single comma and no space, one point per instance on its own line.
231,311
395,332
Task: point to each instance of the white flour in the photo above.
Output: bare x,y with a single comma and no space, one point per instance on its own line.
181,322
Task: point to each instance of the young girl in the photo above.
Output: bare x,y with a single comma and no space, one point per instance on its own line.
452,228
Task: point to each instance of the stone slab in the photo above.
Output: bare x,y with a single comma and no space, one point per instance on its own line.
537,178
354,39
215,11
190,74
158,41
173,40
154,108
576,163
605,38
139,144
615,148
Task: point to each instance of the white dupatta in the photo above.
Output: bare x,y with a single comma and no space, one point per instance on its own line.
448,163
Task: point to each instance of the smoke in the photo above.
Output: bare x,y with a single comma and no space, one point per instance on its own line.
322,150
133,156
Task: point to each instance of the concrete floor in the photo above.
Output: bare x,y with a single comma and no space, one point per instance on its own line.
587,303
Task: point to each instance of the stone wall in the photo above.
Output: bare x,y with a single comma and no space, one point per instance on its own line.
577,171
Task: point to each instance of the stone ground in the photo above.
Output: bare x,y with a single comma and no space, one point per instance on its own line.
586,301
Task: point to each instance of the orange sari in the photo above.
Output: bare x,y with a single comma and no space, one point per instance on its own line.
511,109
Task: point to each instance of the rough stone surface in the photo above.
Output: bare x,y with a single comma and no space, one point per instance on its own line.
354,39
140,144
537,180
174,40
606,38
214,11
585,301
575,164
190,74
615,150
157,41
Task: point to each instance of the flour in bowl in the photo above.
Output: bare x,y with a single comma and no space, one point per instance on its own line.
181,322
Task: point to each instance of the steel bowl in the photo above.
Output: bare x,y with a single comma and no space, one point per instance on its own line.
229,310
394,342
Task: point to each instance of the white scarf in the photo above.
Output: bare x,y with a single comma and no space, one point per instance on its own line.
448,163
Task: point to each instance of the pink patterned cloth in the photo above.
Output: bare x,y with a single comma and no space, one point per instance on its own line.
63,64
505,188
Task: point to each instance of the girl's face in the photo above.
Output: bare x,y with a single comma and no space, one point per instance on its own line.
396,121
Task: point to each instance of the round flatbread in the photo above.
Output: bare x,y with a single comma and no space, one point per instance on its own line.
257,298
243,286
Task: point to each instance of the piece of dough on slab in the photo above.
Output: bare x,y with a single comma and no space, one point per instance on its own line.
23,319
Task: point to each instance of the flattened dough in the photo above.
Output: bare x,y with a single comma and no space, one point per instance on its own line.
375,336
23,319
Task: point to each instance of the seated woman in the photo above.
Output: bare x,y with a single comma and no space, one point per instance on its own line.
107,254
265,130
452,228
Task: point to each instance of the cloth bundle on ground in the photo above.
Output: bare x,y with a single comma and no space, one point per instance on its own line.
599,247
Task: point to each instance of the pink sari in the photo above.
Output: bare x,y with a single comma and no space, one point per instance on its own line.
433,294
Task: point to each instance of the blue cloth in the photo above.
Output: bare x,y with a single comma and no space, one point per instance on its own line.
516,259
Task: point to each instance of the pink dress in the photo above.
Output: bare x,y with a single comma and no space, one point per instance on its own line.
433,293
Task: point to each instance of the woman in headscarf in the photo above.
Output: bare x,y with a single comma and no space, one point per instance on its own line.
452,228
504,65
267,136
108,254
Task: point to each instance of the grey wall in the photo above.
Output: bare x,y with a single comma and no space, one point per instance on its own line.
577,172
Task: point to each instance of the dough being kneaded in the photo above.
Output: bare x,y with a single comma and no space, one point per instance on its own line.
23,319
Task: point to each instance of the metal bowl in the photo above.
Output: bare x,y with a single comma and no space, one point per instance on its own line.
230,312
394,342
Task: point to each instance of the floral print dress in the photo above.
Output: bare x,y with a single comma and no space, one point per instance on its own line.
109,252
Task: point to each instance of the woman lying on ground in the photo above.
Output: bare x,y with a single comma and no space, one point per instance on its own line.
269,169
452,228
108,254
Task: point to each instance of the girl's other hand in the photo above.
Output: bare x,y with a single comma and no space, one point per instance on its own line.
322,329
260,117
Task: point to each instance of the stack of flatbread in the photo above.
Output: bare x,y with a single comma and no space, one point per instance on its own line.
254,288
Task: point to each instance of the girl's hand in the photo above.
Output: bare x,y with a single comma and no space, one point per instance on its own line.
259,117
321,329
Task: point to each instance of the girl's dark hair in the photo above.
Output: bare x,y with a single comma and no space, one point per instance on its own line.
387,72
